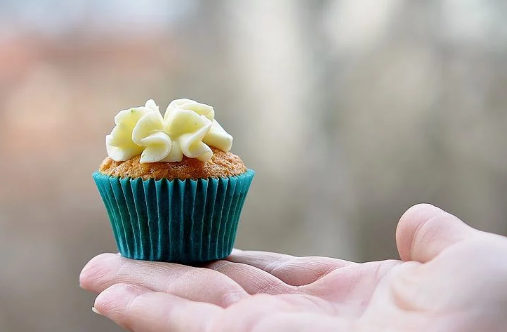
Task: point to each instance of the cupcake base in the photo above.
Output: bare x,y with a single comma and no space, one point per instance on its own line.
182,221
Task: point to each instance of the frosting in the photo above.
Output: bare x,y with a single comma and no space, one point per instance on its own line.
191,105
188,128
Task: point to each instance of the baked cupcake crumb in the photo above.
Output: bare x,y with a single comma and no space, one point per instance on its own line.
222,165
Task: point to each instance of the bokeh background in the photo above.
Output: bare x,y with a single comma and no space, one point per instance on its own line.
349,111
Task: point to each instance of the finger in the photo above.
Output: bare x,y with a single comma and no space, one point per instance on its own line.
424,231
295,271
304,322
139,309
247,314
252,279
197,284
352,285
250,314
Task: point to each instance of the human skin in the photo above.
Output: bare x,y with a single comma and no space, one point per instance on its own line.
451,277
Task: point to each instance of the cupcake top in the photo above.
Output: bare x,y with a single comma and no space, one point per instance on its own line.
186,143
222,164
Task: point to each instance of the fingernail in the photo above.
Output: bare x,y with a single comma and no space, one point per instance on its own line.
96,311
236,251
119,254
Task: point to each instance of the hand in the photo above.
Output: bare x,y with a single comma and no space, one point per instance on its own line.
451,278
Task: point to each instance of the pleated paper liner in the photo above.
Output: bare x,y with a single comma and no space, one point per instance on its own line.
183,221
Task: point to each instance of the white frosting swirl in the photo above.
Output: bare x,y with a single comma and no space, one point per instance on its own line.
188,128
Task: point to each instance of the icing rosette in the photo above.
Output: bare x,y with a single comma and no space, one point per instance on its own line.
188,128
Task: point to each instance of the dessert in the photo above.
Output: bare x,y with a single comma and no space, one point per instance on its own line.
172,189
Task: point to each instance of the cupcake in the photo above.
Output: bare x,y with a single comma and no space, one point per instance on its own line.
171,187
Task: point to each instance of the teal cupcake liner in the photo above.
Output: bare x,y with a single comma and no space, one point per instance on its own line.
182,221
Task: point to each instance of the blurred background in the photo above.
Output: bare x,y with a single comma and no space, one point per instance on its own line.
349,111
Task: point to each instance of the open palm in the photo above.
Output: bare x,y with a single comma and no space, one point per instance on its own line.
450,278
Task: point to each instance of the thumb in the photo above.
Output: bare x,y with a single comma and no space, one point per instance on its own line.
424,231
